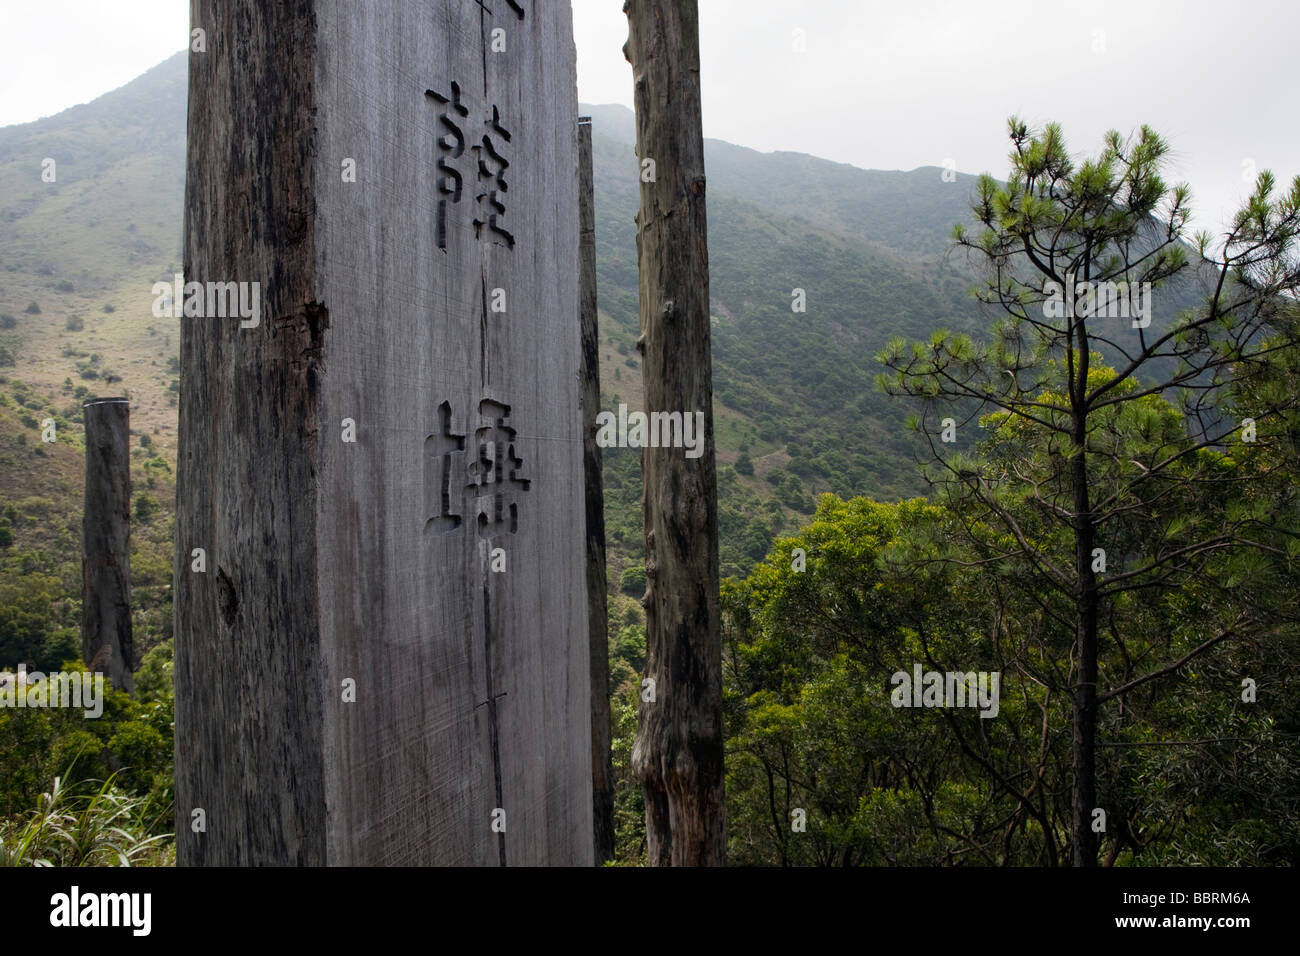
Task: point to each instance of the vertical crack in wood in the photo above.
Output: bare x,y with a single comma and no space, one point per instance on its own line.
493,735
483,377
482,41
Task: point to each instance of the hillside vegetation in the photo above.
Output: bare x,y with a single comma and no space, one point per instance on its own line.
816,268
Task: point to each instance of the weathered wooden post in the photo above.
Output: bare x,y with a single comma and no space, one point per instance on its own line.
602,770
678,750
106,542
381,609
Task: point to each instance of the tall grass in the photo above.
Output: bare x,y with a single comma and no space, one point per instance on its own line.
80,825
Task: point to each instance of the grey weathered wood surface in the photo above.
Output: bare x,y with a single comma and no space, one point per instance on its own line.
602,770
106,636
331,561
678,750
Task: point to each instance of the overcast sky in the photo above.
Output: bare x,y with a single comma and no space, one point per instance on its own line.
879,85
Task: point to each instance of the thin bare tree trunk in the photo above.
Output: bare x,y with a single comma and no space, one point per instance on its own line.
678,751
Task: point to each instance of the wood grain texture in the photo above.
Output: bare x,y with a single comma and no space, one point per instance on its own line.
106,634
602,770
370,561
678,750
249,700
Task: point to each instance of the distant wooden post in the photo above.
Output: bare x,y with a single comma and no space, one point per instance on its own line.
106,644
381,607
678,751
602,770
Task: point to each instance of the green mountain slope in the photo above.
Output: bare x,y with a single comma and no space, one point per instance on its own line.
794,390
796,409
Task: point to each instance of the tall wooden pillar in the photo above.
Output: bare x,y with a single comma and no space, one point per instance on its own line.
385,657
106,642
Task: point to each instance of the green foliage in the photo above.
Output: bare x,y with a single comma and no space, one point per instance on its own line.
156,466
85,825
146,506
1190,774
809,722
34,618
629,800
132,738
632,581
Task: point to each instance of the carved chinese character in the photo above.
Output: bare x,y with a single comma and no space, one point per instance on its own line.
490,180
492,167
452,146
443,474
496,476
485,480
